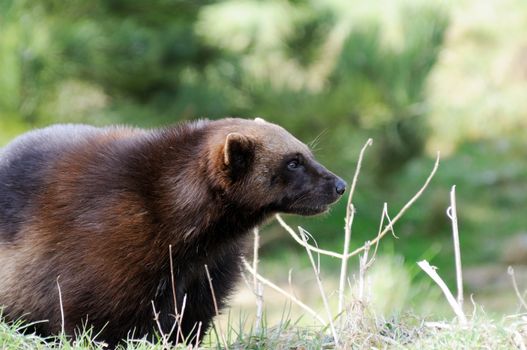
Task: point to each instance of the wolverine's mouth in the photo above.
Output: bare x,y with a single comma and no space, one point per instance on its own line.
308,203
309,210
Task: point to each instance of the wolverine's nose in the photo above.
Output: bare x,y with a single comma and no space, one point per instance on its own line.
340,187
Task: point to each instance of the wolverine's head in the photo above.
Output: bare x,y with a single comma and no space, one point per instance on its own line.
265,167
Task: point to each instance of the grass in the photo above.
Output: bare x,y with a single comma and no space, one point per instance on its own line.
362,330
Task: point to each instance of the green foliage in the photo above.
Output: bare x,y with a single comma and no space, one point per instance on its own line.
135,54
150,57
388,83
27,61
132,49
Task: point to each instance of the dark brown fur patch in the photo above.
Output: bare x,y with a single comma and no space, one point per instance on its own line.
104,205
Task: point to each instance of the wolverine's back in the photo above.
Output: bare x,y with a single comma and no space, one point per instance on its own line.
41,185
24,165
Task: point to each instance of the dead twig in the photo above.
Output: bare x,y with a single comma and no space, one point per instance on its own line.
216,309
452,214
304,244
457,305
402,211
177,316
363,267
510,271
63,332
164,337
197,335
257,285
383,215
431,271
348,221
290,296
321,289
183,306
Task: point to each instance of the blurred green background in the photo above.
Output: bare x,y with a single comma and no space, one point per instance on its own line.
416,76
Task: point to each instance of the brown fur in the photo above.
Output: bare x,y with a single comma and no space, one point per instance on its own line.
97,209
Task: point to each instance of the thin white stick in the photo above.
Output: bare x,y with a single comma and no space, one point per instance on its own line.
322,293
385,213
197,335
260,305
61,309
310,236
396,218
304,244
350,214
257,286
284,293
363,267
474,306
216,309
256,245
431,271
381,224
510,271
364,263
156,319
178,318
183,306
452,214
172,279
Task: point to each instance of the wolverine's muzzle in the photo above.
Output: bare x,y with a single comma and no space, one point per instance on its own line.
340,186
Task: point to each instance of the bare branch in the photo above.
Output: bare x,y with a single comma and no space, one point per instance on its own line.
257,285
385,213
256,245
396,218
321,289
363,267
348,221
216,309
178,318
356,177
61,309
431,271
305,244
183,307
164,337
452,214
510,271
197,335
288,295
381,225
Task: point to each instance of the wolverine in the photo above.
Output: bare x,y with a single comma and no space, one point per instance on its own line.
89,215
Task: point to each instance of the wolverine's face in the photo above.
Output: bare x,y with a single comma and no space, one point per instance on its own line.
307,187
270,169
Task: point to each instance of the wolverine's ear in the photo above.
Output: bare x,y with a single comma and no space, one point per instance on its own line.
238,152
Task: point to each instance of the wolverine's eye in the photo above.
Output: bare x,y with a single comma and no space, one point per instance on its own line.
293,164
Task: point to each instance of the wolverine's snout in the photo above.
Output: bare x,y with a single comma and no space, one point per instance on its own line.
340,186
